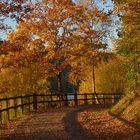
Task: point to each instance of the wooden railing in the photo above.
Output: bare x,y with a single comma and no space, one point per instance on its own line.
13,107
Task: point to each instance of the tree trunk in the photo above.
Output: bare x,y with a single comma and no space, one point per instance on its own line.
59,90
76,88
93,79
94,84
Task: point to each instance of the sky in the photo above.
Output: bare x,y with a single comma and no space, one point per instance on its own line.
11,23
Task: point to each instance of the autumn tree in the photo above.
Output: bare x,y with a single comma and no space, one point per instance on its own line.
52,23
21,81
19,64
46,35
128,43
79,65
81,62
13,9
109,76
39,37
16,50
91,50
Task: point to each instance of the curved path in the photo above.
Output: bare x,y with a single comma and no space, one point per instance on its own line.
51,124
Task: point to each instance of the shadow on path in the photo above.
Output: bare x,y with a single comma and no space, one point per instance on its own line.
73,127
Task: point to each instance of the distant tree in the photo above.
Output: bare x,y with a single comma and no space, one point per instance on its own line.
81,63
22,81
111,76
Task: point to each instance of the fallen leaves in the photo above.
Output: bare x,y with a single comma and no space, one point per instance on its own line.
104,127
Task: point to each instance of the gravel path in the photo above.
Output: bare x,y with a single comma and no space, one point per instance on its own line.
52,124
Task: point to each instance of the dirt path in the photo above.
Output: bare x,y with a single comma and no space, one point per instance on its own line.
80,123
52,124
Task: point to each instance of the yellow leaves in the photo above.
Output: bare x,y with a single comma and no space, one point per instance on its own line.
22,80
50,55
94,53
41,23
1,60
32,28
37,42
43,36
80,46
86,86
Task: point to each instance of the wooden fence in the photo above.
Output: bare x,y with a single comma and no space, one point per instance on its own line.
13,107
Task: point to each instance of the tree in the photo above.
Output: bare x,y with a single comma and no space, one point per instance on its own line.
56,23
16,50
21,81
81,63
53,22
109,76
94,29
47,33
128,44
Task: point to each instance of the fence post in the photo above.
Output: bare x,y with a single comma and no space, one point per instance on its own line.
112,98
7,106
66,100
93,99
85,98
0,112
22,106
35,101
0,117
75,99
62,100
15,107
59,98
29,103
104,98
51,103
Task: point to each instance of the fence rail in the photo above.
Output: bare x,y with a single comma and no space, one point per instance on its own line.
13,107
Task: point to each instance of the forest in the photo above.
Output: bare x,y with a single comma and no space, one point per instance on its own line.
72,46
